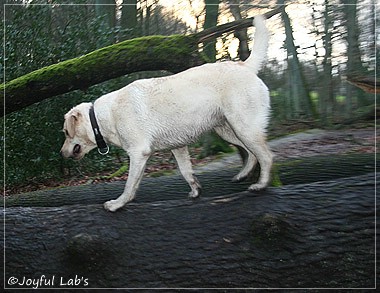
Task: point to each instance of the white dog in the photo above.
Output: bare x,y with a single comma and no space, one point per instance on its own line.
172,112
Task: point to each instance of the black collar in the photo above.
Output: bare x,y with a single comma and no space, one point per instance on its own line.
103,148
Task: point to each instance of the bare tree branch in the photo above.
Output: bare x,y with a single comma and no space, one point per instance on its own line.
219,30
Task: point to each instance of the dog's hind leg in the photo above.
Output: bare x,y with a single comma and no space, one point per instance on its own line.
256,143
254,140
249,160
136,171
184,164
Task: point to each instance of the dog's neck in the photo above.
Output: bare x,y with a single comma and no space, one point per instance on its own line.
103,148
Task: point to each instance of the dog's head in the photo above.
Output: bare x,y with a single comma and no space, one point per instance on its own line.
80,138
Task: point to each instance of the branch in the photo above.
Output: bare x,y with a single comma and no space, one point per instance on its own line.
172,53
236,25
368,84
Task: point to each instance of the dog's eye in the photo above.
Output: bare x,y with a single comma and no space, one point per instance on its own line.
66,132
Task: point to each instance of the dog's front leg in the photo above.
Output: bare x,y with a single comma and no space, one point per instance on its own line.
184,164
136,172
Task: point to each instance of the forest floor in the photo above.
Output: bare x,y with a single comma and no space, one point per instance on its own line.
304,143
313,142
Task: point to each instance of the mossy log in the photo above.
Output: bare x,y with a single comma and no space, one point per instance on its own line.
319,235
172,53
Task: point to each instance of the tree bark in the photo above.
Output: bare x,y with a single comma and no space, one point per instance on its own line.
295,171
319,235
173,53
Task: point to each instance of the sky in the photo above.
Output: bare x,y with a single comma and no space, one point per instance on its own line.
301,18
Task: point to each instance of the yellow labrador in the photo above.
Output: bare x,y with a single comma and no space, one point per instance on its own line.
172,112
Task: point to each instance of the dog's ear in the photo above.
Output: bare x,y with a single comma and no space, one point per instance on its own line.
71,119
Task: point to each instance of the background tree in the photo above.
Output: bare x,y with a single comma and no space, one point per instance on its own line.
326,101
354,62
211,19
106,9
242,35
128,18
298,91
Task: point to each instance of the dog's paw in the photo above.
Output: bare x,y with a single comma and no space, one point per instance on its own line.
113,205
194,193
238,178
196,188
257,187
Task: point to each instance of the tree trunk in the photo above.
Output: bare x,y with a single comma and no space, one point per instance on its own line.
320,235
211,20
326,98
172,53
240,34
354,63
107,9
297,84
147,20
129,17
296,171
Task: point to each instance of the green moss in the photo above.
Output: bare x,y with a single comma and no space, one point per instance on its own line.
162,173
276,181
151,45
270,230
325,167
118,173
172,53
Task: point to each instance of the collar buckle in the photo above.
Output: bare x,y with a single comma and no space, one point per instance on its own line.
104,151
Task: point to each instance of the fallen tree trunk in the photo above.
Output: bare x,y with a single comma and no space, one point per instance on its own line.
319,235
215,183
172,53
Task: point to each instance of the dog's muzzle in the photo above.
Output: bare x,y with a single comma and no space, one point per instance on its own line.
75,153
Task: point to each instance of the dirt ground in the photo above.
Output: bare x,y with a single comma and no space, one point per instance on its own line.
319,142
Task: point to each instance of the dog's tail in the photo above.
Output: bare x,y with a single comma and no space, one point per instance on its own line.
260,45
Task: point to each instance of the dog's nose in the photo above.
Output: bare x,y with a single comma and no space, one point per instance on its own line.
62,153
